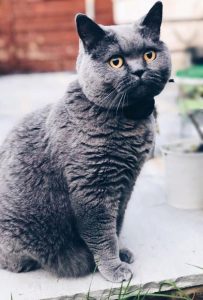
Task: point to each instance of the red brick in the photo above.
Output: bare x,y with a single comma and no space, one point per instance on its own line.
41,38
50,8
40,35
41,24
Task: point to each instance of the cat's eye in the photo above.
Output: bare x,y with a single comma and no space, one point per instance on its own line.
149,56
116,62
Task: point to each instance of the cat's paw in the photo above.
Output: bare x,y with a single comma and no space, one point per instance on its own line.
120,273
126,256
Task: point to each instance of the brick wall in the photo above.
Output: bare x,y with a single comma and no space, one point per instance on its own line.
39,35
6,37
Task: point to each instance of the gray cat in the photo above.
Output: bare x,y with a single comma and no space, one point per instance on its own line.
67,171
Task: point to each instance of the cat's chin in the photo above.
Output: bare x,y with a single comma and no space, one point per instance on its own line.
139,92
143,90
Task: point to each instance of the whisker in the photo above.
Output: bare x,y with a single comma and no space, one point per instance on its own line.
111,105
99,108
123,102
119,103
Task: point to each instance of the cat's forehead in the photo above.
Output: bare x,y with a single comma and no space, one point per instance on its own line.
121,30
128,36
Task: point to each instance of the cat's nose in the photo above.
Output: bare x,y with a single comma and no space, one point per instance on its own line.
138,73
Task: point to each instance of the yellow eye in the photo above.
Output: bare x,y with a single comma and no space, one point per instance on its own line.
116,62
149,56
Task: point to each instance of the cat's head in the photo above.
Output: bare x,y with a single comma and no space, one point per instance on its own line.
122,62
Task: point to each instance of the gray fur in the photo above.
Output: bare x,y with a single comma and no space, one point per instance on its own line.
67,171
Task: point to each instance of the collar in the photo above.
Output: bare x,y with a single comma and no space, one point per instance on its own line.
142,109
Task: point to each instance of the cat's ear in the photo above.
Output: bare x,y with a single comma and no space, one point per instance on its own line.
89,32
151,23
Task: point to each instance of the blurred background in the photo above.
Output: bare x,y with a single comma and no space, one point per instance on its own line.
39,45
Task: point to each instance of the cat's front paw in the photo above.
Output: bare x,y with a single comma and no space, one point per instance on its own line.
120,273
126,255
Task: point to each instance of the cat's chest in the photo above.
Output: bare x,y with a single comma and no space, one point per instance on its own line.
109,157
122,137
113,154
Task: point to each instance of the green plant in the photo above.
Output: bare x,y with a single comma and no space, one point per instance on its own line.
191,106
139,293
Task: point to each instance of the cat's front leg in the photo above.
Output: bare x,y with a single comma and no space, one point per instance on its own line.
110,264
97,226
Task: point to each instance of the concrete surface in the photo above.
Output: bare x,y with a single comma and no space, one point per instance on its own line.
20,94
167,242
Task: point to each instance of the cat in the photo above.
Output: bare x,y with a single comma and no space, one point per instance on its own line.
67,171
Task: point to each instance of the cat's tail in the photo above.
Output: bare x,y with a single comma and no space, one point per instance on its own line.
72,262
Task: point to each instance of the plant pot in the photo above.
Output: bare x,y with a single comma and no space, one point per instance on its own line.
184,175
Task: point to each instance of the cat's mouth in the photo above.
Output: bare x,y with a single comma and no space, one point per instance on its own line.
135,93
141,89
131,87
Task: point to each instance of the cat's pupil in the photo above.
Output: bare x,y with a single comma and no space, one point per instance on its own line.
116,61
149,54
